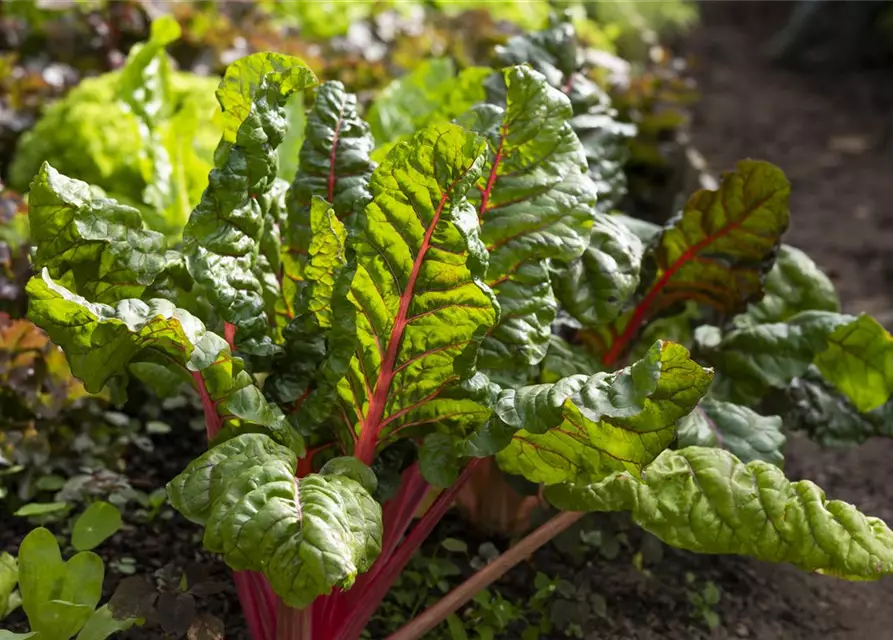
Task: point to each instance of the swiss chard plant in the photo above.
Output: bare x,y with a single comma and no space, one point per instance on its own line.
372,331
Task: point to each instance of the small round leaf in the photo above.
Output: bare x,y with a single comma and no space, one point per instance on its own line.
97,523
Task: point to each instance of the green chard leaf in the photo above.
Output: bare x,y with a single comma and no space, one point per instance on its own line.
334,165
582,429
828,417
855,354
564,359
312,313
331,186
422,308
95,246
306,535
536,203
706,500
733,427
715,252
553,52
101,342
227,230
595,287
793,285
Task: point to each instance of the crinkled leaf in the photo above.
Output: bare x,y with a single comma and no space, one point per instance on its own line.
306,535
793,285
715,252
334,165
855,354
536,203
581,429
735,428
224,236
334,173
421,306
101,341
318,305
553,52
706,500
595,287
563,360
96,246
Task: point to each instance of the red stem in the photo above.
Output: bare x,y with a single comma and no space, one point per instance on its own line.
255,595
372,593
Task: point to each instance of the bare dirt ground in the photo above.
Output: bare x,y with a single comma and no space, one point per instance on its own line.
832,133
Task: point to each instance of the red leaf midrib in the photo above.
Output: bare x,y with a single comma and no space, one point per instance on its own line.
491,179
644,307
372,424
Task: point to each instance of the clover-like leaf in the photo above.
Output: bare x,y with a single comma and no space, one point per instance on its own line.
99,521
581,428
706,500
57,596
306,535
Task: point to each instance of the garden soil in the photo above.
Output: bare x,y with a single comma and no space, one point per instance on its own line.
831,133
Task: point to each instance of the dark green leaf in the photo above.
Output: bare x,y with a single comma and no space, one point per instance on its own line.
793,285
306,535
855,354
744,432
536,204
224,236
595,287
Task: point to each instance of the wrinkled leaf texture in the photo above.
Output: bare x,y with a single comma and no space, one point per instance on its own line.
706,500
229,230
306,535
